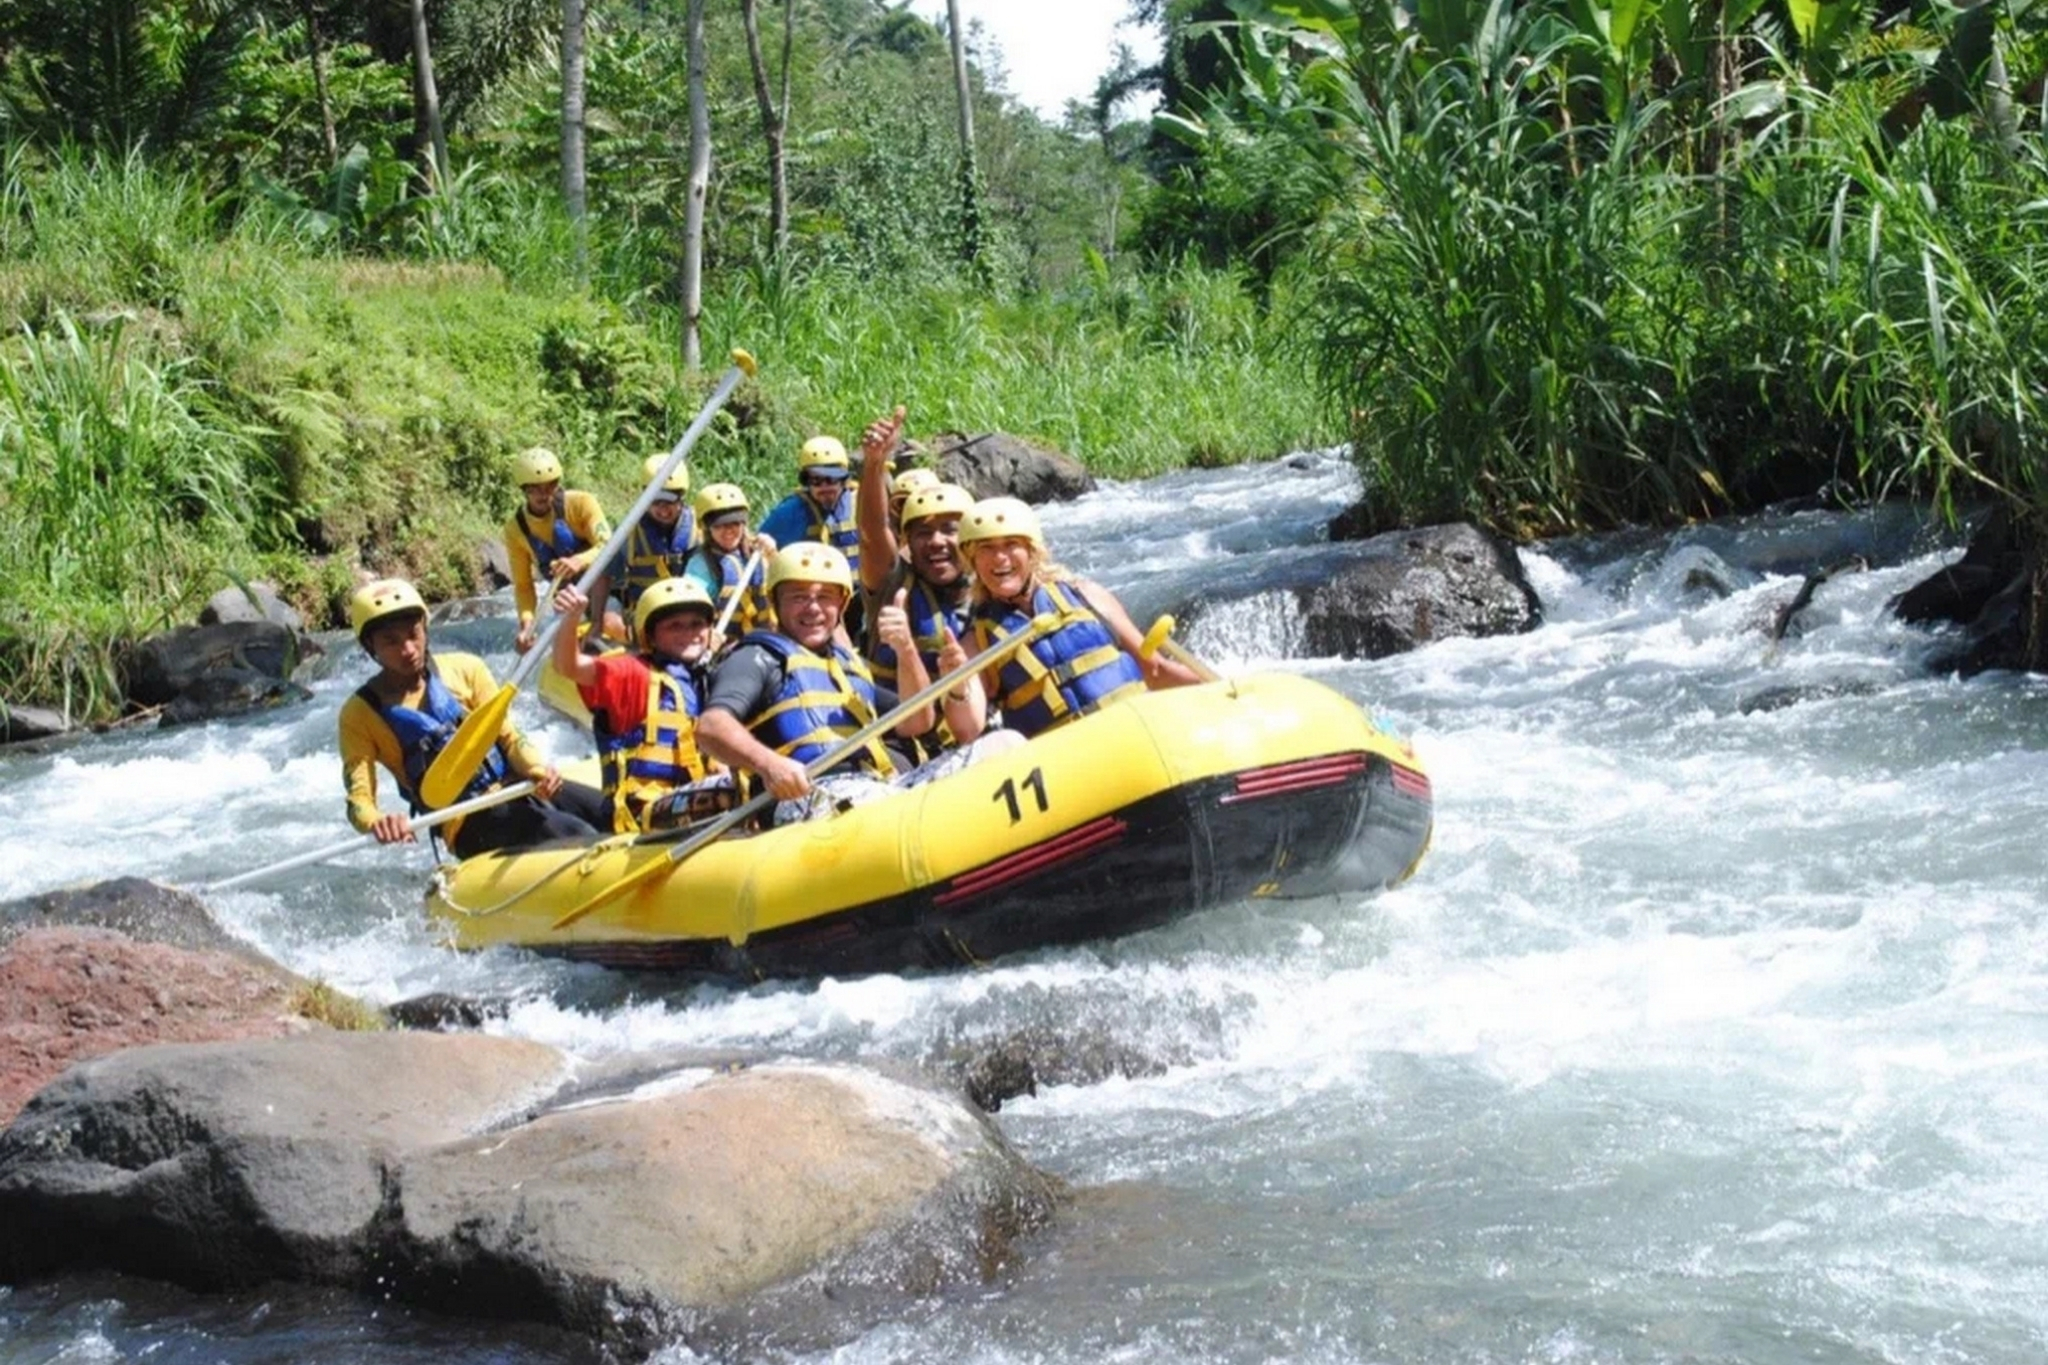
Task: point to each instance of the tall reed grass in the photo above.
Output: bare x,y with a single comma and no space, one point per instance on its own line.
1546,326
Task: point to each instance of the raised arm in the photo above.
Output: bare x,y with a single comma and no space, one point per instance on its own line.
871,504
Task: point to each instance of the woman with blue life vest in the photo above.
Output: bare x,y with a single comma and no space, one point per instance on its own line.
1089,661
552,534
787,696
644,707
402,717
659,545
720,559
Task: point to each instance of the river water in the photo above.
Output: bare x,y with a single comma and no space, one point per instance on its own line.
1708,1031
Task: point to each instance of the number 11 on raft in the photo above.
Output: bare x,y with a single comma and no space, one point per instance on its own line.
1008,793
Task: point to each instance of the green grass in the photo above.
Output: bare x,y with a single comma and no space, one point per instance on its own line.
184,400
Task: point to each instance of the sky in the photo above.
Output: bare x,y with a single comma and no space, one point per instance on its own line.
1052,50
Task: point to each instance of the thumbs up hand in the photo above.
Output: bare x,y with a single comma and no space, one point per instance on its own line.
892,624
952,653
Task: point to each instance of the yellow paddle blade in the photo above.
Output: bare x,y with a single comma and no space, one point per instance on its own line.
745,360
466,750
1155,637
656,867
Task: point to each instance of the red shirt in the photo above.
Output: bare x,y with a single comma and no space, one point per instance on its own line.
619,696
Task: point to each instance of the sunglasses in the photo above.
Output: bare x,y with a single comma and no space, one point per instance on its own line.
824,480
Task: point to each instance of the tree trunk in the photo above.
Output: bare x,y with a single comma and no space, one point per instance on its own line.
574,183
970,180
426,106
319,51
773,119
700,186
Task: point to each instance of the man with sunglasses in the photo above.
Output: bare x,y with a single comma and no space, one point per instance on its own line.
822,508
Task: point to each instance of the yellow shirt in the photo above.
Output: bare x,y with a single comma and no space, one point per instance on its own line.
367,742
585,518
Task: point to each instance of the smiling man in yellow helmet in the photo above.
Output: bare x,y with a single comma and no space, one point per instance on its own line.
644,707
553,533
787,696
402,718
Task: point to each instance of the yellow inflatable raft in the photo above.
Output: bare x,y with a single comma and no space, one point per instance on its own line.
1271,785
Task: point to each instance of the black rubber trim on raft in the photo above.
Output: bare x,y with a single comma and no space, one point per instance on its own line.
1343,823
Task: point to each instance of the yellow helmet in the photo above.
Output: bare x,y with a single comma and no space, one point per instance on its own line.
912,480
678,481
665,596
384,597
809,562
716,499
821,452
939,500
536,465
1000,519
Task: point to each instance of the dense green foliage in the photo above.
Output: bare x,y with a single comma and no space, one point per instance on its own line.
182,404
1557,264
1582,264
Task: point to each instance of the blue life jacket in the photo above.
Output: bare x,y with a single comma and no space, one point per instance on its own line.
643,765
655,552
929,620
1076,668
562,541
754,612
824,699
423,733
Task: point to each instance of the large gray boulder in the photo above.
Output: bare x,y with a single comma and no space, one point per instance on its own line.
461,1172
135,906
19,724
1414,587
206,672
257,602
997,464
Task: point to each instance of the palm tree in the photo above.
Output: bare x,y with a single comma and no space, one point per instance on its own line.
573,177
970,181
774,117
700,187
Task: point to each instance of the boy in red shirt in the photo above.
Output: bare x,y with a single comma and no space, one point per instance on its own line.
644,708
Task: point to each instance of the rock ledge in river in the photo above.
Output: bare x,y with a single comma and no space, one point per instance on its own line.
1432,583
706,1205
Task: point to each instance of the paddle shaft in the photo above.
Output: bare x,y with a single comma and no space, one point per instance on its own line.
419,823
602,560
450,771
831,758
746,585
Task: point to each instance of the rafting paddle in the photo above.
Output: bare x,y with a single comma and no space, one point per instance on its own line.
452,767
831,758
424,822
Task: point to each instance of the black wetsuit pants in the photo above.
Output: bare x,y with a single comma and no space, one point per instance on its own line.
577,812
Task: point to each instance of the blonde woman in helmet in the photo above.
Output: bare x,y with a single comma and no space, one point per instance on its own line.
659,545
1089,661
551,534
644,707
402,718
720,559
787,696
